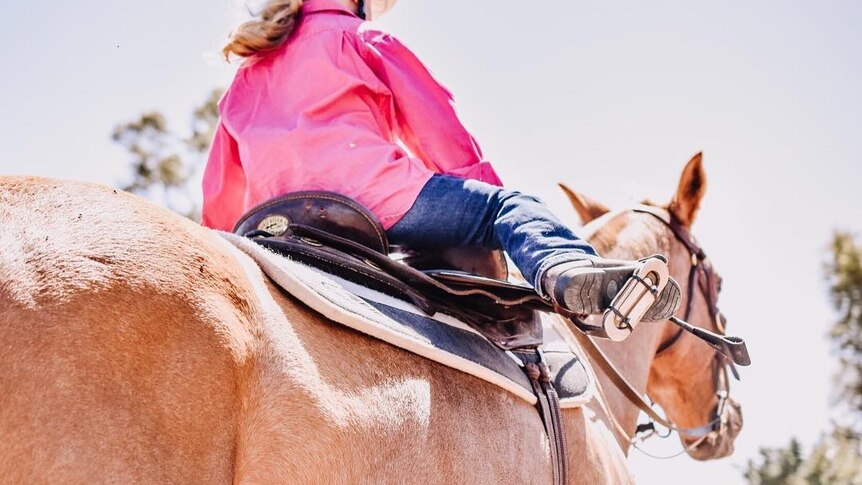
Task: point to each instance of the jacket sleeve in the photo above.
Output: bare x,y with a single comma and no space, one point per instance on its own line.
223,183
426,120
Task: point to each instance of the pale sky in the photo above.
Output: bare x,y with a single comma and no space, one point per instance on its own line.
610,97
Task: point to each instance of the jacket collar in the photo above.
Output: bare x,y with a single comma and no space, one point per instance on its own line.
313,6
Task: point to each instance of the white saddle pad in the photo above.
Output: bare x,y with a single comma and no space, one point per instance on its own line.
440,337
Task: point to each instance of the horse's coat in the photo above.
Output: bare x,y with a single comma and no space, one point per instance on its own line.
137,349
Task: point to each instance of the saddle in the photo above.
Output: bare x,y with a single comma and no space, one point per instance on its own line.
338,235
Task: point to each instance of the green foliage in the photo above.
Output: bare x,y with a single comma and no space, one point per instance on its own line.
776,465
164,163
835,458
844,273
147,140
204,122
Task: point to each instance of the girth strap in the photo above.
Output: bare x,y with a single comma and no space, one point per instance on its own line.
548,405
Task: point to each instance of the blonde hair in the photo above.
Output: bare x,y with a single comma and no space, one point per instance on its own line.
267,32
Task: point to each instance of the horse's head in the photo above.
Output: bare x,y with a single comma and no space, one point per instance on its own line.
686,377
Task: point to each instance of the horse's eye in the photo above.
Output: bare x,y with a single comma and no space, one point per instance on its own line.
718,284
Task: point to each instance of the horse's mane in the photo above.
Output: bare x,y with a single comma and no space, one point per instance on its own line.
591,228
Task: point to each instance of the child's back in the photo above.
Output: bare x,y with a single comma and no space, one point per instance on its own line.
325,112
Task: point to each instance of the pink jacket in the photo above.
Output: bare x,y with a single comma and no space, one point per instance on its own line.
326,112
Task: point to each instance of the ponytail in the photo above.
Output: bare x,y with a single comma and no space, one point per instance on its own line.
266,33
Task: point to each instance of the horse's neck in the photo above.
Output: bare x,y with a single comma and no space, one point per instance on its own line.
621,236
633,359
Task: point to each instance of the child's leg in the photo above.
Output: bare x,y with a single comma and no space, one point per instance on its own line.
455,212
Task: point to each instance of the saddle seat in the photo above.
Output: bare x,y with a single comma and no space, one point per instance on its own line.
339,235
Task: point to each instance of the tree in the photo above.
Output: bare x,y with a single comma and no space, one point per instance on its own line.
163,163
777,465
844,274
835,458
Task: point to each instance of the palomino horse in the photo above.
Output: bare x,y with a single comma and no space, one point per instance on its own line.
138,348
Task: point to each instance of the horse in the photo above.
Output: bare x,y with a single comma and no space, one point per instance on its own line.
139,347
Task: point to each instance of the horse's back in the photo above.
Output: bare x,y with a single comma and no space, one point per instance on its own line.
123,338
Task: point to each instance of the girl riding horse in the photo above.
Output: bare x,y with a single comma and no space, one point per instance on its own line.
325,102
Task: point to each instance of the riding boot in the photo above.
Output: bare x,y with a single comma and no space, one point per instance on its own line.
588,286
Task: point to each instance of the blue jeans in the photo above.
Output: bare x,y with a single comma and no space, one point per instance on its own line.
455,212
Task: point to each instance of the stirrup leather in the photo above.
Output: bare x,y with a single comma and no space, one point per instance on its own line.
634,299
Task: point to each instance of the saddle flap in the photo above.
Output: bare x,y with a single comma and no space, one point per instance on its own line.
473,260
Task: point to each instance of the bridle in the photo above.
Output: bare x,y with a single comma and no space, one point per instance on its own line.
701,277
701,274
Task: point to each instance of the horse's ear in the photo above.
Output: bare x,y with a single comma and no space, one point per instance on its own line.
692,186
587,208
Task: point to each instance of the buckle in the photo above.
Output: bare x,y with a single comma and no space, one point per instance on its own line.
635,298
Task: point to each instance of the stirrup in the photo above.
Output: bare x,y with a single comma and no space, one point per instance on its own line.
634,299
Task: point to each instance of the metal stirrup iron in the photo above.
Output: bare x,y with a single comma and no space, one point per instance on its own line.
634,299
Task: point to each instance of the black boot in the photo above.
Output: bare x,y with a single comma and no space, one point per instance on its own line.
588,286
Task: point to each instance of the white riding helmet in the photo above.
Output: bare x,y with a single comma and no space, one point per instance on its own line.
373,9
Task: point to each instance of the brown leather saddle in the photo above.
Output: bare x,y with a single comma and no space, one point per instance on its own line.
340,236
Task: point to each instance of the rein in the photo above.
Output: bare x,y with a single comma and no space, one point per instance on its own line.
598,356
709,288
